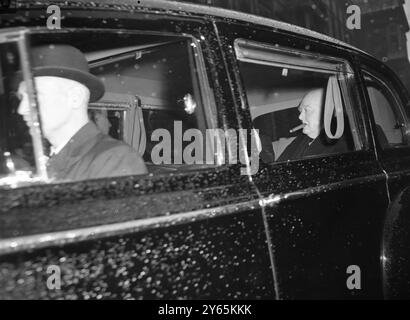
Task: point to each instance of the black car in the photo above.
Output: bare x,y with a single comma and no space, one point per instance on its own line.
245,223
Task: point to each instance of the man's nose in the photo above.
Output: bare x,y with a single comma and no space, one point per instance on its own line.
301,115
20,109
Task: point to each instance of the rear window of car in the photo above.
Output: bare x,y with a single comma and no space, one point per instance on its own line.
302,103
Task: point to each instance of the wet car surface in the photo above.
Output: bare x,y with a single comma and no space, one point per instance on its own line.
288,231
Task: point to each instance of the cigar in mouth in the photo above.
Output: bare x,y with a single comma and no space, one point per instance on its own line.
299,127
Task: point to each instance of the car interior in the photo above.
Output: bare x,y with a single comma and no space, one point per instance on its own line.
389,123
276,79
274,96
148,80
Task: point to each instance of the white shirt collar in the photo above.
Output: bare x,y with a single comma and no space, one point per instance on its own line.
54,151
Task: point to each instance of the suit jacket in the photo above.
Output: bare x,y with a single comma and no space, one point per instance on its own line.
300,148
91,154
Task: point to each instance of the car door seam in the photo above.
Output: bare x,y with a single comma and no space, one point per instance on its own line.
249,171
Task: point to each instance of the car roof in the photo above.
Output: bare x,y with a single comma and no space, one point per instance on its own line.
245,17
199,9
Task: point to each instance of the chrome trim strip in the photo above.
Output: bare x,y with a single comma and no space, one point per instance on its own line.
398,173
59,238
122,106
387,185
274,199
207,95
12,245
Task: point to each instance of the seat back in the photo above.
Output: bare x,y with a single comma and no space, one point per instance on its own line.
126,109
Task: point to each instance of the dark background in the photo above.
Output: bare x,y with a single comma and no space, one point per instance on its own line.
382,34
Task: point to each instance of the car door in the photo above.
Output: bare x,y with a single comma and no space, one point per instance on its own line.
388,103
191,233
324,212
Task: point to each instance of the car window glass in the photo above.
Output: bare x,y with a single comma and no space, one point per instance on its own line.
301,104
387,113
167,96
17,156
153,106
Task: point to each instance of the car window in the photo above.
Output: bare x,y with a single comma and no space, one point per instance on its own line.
156,103
17,146
388,115
301,103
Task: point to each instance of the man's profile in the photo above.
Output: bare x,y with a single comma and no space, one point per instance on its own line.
100,118
313,141
78,149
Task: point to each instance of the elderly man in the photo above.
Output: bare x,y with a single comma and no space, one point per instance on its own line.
313,141
78,149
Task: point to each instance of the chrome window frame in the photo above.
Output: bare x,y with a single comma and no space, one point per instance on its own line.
398,108
208,100
19,36
323,64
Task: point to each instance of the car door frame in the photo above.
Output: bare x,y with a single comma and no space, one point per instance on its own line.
396,237
57,222
279,189
402,96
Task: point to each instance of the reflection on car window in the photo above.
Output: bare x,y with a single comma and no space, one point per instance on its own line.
386,111
301,105
16,147
161,76
103,98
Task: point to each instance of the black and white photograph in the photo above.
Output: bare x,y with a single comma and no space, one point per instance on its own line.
204,156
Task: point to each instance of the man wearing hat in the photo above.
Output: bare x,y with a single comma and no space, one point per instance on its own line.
78,149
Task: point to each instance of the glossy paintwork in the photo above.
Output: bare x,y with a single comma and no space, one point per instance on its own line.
58,207
288,232
210,254
317,238
395,162
396,244
332,209
221,257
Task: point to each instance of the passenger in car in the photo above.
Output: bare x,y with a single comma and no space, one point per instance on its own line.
79,150
313,140
100,118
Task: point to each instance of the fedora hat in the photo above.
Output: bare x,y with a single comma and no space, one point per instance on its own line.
65,61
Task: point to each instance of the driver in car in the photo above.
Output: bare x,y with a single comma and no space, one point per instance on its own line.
79,150
313,140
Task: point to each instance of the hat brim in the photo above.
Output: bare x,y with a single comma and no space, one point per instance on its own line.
93,83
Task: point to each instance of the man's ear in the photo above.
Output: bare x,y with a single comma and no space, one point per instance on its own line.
79,96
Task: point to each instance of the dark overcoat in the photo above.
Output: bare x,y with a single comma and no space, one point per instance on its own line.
303,147
91,154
